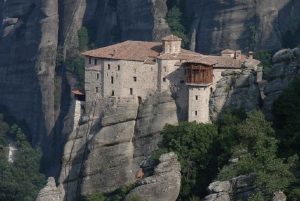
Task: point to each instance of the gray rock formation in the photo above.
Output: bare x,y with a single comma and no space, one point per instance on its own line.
237,89
118,133
279,196
50,192
28,43
220,25
164,185
238,188
286,66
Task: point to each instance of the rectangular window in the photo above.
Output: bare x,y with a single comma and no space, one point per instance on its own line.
97,89
112,79
90,60
165,69
96,61
134,79
196,97
164,79
131,91
119,67
97,76
108,66
196,113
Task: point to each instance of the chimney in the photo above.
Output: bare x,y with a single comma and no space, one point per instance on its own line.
250,55
238,54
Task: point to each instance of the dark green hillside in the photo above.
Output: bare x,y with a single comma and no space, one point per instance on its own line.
20,180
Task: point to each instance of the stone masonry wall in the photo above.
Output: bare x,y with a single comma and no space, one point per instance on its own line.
199,104
140,77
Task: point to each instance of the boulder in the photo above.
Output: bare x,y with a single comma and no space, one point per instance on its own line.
279,196
164,185
283,55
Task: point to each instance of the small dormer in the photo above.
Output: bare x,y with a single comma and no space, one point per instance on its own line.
228,53
171,44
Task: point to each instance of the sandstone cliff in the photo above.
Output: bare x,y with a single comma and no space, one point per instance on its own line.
164,185
237,89
219,25
286,64
237,188
105,150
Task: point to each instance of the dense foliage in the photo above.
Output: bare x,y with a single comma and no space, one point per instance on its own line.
176,22
202,148
265,57
20,180
76,65
194,145
287,122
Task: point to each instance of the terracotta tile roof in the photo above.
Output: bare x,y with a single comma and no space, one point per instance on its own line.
148,52
128,50
150,61
228,51
226,62
78,91
171,38
184,55
205,60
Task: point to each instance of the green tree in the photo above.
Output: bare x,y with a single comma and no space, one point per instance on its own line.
265,58
76,65
194,145
176,23
256,151
287,122
83,39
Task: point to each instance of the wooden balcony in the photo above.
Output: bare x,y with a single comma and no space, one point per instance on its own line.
199,75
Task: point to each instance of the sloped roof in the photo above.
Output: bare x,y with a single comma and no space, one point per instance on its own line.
228,51
171,38
78,91
128,50
148,52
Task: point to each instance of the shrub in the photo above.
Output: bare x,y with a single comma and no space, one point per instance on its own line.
83,38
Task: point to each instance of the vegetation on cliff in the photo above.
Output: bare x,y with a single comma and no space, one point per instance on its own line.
20,180
204,149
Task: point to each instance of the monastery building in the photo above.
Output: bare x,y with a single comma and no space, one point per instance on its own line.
139,69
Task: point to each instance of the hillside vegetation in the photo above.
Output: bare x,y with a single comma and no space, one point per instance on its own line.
20,180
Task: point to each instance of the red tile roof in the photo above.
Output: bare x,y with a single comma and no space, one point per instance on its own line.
128,50
228,51
148,52
171,38
78,91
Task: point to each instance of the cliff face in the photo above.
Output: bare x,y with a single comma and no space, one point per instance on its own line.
222,24
105,150
31,30
27,63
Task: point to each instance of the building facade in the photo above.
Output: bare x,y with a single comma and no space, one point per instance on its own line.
139,69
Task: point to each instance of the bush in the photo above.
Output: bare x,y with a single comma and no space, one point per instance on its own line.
176,23
76,65
257,150
194,145
83,39
286,111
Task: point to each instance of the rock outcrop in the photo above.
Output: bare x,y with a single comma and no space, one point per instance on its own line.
286,66
50,192
241,24
237,89
238,188
105,150
164,185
